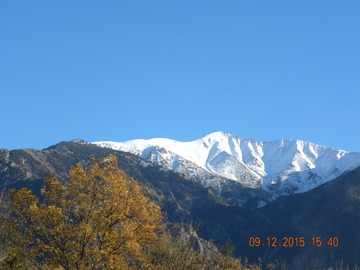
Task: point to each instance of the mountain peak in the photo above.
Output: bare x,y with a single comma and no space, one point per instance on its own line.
282,166
219,136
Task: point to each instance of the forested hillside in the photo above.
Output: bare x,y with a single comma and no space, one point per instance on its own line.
330,211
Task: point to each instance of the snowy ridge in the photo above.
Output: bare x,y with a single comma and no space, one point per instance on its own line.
279,167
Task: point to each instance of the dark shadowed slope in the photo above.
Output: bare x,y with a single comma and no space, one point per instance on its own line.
331,210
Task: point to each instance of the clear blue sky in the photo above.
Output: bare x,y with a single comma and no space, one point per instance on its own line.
121,70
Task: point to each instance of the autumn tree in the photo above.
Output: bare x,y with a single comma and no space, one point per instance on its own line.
186,251
100,219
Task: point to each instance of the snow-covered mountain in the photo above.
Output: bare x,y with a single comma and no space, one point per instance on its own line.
278,167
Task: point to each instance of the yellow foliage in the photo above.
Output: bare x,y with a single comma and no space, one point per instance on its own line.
100,219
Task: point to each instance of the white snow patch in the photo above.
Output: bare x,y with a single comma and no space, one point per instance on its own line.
301,165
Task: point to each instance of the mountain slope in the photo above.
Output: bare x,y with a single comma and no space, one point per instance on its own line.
27,168
331,209
280,167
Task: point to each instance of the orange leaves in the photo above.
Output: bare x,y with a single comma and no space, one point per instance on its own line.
100,218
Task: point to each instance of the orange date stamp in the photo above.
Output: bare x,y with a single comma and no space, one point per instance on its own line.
289,241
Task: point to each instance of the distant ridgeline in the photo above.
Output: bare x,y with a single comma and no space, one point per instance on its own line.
237,193
226,162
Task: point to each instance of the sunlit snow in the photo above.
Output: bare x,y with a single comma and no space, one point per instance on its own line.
285,164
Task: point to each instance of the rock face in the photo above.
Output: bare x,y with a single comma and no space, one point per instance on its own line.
278,168
330,210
